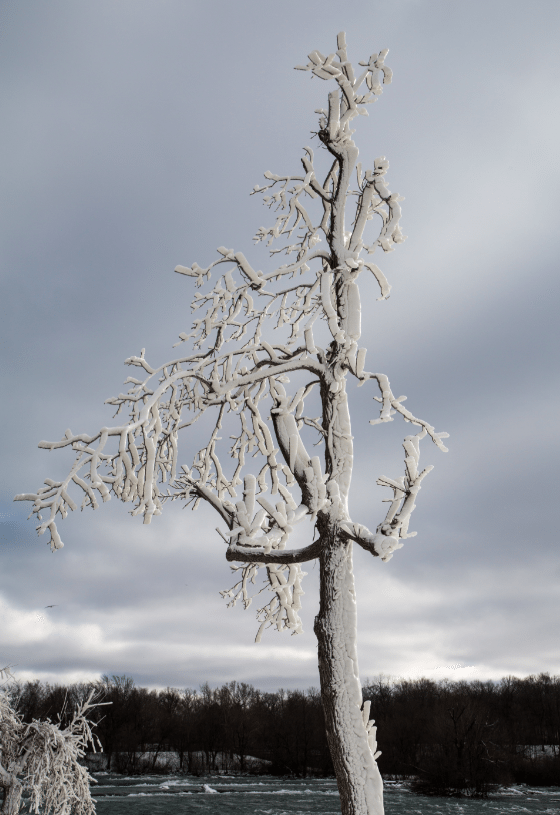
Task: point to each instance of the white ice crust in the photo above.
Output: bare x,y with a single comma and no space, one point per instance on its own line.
251,331
42,758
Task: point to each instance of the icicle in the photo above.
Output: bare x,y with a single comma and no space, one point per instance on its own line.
299,513
250,483
381,279
316,464
296,400
231,533
56,542
261,480
351,357
258,521
281,509
294,443
280,520
360,362
290,480
230,282
286,494
309,343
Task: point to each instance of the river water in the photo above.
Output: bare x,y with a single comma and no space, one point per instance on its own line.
235,795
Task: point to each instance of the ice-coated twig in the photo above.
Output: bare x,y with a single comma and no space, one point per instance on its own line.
390,406
6,672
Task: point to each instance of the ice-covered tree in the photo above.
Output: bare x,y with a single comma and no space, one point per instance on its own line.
273,394
42,758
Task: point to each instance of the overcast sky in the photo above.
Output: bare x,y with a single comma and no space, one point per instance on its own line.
131,135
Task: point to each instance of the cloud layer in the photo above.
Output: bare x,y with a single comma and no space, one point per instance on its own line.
134,133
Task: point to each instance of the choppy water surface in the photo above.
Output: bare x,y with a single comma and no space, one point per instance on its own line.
223,795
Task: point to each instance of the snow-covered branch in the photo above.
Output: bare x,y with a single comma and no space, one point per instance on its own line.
43,759
259,555
251,331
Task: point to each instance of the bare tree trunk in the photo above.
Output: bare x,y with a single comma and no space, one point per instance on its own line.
12,798
359,781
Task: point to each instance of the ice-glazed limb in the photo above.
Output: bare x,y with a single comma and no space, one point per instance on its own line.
244,554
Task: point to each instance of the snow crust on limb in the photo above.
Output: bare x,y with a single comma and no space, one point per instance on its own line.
252,362
350,732
43,759
6,672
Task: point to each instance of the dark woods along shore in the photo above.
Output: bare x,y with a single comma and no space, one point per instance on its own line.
447,738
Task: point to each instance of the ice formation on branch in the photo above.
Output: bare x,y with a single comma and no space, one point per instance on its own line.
6,672
236,369
43,759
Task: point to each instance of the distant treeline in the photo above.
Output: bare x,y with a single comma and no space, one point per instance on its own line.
450,737
468,737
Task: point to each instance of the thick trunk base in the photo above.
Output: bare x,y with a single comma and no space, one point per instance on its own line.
352,747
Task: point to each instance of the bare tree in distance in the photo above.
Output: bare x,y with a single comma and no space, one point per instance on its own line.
259,387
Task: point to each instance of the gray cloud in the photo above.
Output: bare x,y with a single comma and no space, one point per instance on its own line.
135,132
